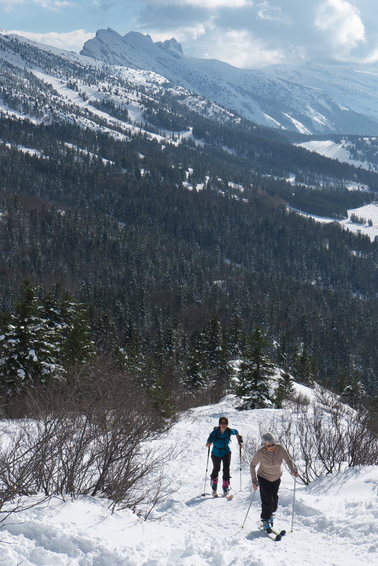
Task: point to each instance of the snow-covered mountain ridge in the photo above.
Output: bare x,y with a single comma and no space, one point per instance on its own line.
310,99
46,85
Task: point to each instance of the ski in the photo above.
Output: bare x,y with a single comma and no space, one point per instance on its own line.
215,495
279,533
274,535
228,496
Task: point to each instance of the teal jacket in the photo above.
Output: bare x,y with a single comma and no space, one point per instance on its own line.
221,441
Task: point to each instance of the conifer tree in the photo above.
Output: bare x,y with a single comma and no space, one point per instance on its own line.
285,382
354,393
76,344
195,372
215,351
285,388
254,373
132,354
236,337
208,358
303,369
28,346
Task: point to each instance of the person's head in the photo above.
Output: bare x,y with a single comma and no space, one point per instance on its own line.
269,441
223,422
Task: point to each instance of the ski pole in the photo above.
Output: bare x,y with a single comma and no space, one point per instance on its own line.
250,503
292,516
240,449
207,469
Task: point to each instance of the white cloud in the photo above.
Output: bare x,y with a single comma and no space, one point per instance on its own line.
182,34
8,5
241,32
371,57
341,22
48,4
240,49
71,41
204,4
267,12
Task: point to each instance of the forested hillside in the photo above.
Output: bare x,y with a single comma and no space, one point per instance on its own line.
174,236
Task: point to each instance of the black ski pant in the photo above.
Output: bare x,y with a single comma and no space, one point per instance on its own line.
217,460
269,496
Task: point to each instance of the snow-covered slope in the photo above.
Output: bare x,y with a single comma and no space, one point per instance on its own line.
353,88
277,97
335,517
333,150
362,220
44,84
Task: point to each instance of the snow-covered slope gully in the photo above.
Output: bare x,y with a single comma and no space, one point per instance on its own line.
335,517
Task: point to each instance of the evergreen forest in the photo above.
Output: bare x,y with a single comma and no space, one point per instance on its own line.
169,257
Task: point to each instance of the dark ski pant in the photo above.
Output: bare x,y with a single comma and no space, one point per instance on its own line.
269,496
217,460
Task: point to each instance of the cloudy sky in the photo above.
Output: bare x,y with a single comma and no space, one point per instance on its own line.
251,33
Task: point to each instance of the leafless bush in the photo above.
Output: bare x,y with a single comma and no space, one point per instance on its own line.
328,436
297,401
361,440
94,438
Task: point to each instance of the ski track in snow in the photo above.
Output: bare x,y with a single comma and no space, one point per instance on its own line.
335,520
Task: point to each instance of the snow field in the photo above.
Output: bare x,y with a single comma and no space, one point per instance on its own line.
335,520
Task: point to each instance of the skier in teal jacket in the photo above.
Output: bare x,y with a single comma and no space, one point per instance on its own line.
220,438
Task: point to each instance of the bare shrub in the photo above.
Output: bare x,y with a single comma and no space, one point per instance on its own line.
297,401
361,439
92,437
328,436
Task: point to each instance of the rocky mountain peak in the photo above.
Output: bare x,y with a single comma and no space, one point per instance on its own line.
171,46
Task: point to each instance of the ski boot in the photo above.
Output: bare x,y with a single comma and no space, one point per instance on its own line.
266,525
226,487
214,486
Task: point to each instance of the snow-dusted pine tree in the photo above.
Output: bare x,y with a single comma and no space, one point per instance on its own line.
254,373
28,346
41,339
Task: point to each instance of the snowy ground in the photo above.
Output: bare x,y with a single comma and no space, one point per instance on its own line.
366,212
335,519
334,150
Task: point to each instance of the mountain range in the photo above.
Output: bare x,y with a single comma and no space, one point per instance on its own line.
164,210
310,99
